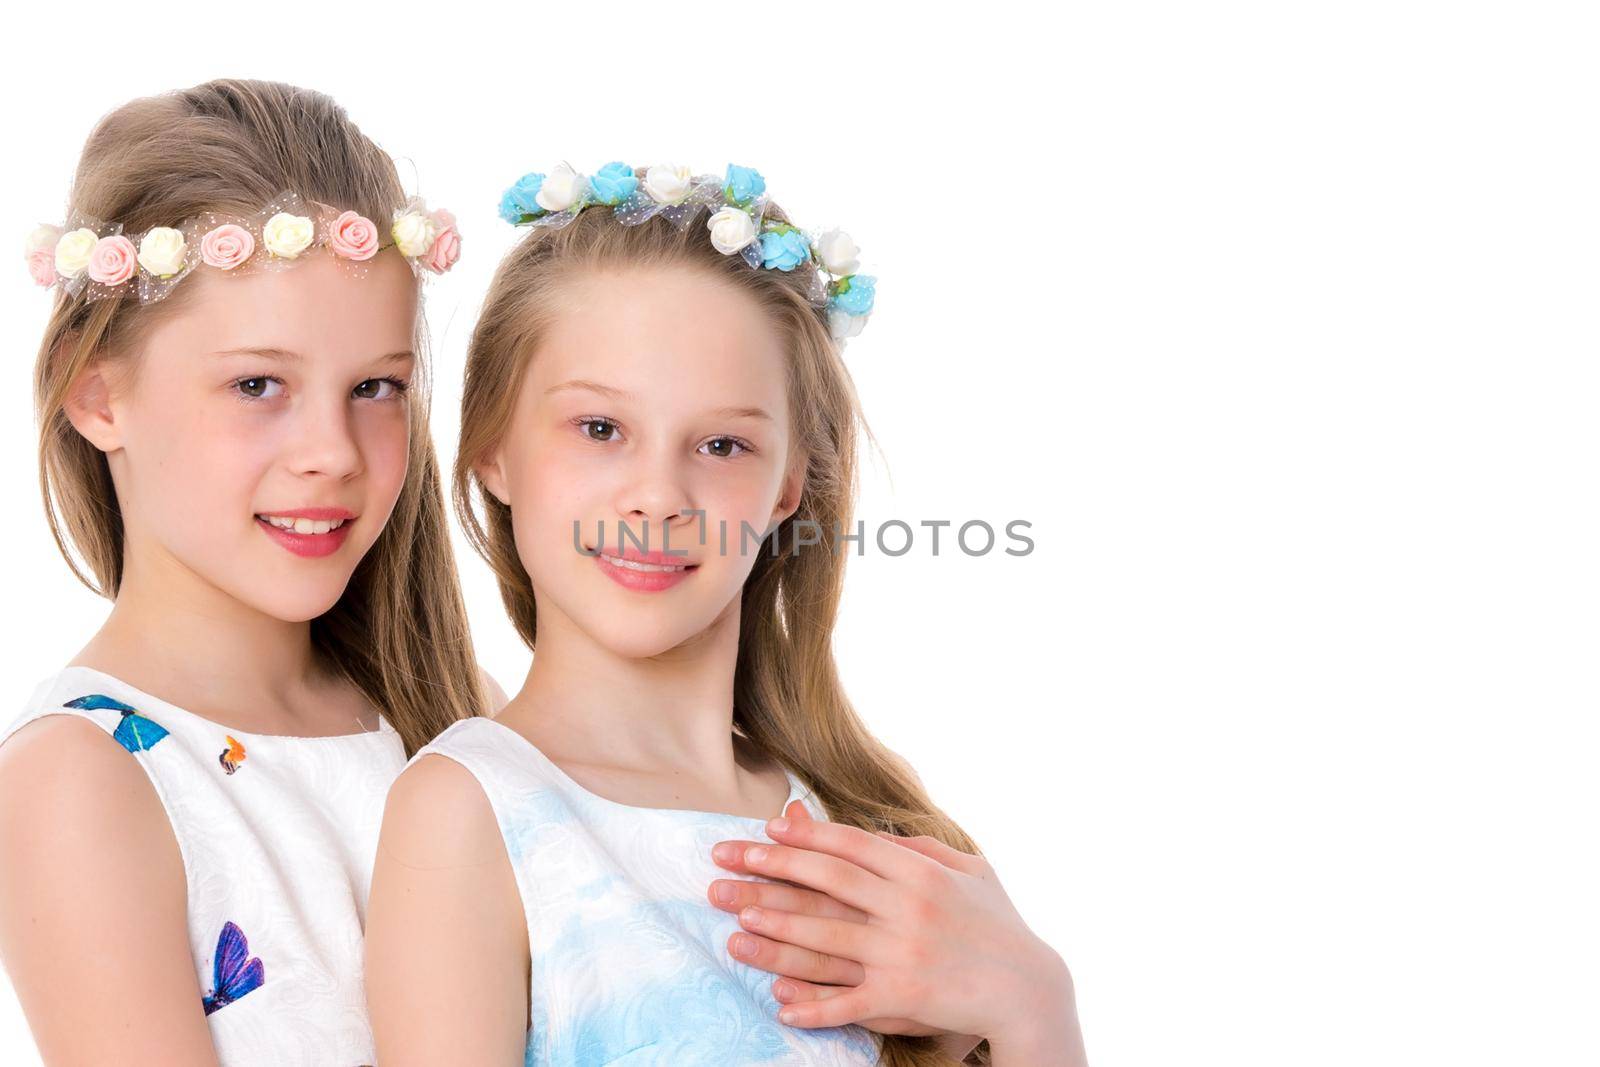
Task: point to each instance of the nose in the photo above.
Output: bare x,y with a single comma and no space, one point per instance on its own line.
654,504
325,441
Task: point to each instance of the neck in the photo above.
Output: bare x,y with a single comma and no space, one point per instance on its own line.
175,634
670,713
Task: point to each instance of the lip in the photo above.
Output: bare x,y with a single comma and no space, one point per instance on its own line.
643,581
309,545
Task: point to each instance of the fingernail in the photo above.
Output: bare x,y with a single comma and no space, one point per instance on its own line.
725,852
788,1015
751,916
744,945
725,892
783,989
778,825
755,854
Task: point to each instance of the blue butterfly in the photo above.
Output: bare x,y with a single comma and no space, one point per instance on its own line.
233,972
134,732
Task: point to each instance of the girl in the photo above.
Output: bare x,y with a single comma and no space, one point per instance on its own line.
234,438
640,392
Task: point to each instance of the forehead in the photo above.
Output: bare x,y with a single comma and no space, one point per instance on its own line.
667,332
316,306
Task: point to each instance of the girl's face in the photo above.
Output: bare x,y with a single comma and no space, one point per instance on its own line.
276,395
657,394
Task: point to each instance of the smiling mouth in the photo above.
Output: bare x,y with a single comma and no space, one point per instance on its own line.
646,568
303,526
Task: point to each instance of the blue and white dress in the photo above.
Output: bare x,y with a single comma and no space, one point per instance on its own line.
630,960
278,836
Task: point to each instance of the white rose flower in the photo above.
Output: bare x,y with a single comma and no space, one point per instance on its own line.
838,253
731,229
668,183
842,324
73,251
563,188
414,233
287,235
161,251
41,238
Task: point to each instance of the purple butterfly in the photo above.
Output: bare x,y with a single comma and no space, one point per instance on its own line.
233,972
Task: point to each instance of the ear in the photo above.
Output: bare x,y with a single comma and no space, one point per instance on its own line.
89,408
794,481
491,472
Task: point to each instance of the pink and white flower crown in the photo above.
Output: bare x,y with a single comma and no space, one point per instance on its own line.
96,257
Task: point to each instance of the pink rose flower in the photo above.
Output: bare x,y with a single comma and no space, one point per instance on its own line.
113,260
227,246
354,236
42,265
446,243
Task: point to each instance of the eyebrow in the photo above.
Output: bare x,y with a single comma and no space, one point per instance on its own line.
620,394
283,355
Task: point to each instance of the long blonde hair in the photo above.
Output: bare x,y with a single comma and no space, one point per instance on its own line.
399,631
788,700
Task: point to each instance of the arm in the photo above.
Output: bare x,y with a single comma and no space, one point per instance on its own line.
447,945
93,903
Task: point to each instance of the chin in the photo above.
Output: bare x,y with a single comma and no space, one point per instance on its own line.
294,601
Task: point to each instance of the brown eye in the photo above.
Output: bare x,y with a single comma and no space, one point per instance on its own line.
254,388
724,447
590,429
394,388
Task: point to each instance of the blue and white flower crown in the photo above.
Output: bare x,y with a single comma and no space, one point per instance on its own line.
738,225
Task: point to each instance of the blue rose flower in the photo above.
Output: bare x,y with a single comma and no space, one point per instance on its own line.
855,293
743,184
520,201
614,183
784,249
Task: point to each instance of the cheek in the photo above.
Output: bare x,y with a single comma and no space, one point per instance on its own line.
385,441
204,465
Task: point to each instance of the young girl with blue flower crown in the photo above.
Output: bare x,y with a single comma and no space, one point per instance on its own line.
234,442
662,435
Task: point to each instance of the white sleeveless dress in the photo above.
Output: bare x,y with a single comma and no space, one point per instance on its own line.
278,836
630,960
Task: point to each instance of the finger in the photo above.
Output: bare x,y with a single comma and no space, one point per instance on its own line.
832,937
866,850
730,855
796,991
934,849
740,894
837,1010
838,878
797,810
792,961
792,990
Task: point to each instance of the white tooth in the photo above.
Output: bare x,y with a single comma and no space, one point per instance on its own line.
636,565
303,526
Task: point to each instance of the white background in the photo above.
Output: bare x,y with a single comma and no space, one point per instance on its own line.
1276,321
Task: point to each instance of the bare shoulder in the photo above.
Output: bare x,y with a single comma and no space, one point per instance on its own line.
82,833
447,960
437,815
71,782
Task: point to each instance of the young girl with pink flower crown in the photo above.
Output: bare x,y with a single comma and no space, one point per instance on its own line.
234,449
661,433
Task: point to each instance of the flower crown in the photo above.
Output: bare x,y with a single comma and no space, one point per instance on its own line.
89,254
738,224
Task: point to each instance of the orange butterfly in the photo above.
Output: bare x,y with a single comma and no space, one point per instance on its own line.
231,756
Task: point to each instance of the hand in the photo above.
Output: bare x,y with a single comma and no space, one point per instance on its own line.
940,945
834,975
